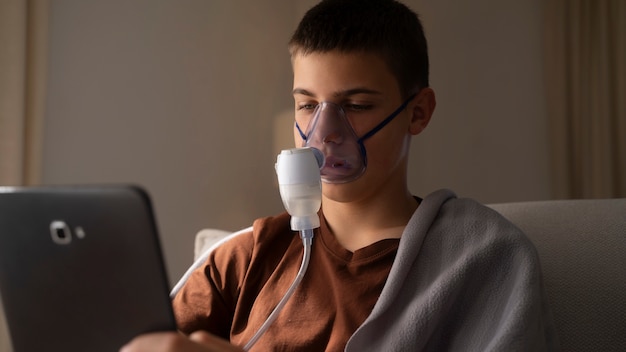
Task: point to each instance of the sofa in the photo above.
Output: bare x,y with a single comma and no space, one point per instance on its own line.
582,248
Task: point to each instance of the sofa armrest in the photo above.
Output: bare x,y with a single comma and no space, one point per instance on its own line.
207,238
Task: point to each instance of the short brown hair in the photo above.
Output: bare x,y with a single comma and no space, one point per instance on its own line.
384,27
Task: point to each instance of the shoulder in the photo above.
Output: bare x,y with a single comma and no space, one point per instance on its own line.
270,228
469,216
476,245
467,225
469,212
242,245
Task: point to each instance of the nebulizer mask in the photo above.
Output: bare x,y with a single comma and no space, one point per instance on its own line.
330,132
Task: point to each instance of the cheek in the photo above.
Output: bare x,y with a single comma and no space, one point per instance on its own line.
361,125
388,148
297,139
387,163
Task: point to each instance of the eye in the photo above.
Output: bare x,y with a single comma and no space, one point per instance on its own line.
306,106
357,107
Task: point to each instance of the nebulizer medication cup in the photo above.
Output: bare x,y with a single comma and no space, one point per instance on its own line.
300,187
299,183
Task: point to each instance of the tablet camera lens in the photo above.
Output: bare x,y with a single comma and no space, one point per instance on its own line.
60,232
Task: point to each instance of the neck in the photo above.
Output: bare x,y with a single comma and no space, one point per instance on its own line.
358,224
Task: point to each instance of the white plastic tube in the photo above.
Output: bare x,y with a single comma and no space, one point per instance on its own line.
307,241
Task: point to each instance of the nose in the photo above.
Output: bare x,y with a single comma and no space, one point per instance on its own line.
331,124
333,137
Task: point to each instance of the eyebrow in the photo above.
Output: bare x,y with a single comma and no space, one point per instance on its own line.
343,93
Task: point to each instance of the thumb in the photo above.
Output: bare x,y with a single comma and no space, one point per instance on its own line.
215,343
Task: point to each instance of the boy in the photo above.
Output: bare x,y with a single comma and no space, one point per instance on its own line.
389,271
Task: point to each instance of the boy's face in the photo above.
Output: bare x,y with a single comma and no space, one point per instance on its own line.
363,85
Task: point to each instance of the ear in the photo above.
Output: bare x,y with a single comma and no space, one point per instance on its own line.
422,110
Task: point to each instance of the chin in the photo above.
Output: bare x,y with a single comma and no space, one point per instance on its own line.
343,192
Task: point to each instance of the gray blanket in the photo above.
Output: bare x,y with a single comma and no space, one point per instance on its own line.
464,279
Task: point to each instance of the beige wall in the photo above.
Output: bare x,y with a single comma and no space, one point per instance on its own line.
488,138
181,96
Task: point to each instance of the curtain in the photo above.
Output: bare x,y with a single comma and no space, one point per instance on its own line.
23,28
585,72
23,34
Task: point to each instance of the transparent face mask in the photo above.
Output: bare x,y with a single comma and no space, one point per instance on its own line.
329,131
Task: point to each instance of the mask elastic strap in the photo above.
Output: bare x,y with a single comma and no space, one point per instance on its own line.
300,131
384,122
373,131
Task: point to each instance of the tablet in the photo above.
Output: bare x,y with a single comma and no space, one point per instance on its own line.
81,268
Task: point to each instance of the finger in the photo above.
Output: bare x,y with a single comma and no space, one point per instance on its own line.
212,341
153,342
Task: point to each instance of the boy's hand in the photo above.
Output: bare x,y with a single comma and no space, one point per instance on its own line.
199,341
